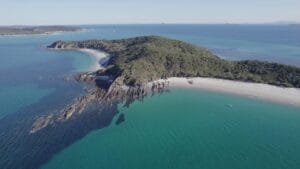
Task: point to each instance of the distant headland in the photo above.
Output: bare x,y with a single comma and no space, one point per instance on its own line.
35,30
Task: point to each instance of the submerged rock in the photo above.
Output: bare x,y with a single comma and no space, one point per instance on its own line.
41,123
120,119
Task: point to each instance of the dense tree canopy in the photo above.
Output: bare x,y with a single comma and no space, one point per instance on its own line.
136,61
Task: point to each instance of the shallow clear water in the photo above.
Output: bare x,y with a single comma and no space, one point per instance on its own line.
31,85
192,129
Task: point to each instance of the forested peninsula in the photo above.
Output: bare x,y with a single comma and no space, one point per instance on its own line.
137,61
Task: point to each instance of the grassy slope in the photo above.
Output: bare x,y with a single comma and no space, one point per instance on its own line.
143,59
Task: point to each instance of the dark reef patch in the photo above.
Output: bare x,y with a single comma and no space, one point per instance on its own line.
120,119
24,150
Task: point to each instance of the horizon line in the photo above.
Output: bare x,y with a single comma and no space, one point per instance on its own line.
164,23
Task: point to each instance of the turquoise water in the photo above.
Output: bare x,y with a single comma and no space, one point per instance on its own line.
191,129
181,129
14,98
83,62
29,71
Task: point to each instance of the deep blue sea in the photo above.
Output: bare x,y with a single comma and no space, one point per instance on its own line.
156,132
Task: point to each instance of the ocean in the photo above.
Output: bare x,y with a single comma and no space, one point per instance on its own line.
179,129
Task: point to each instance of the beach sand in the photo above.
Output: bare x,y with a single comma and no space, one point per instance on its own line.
101,58
289,96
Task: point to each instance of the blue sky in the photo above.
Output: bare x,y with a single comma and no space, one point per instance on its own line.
27,12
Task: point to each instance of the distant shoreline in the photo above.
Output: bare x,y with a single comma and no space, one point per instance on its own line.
287,96
35,30
37,34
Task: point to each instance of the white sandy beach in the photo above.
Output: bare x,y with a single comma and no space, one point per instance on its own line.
101,58
289,96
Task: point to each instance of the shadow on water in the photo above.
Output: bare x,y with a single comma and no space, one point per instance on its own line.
20,149
121,119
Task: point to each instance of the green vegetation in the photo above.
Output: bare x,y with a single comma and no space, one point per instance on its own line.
139,60
27,30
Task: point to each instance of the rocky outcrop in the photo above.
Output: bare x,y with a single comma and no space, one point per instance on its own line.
62,45
116,93
71,110
41,123
107,89
78,106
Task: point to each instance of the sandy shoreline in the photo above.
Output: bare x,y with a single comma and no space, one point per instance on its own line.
40,34
288,96
101,58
